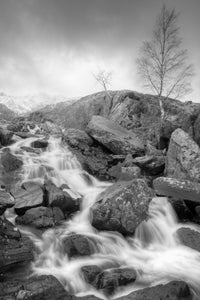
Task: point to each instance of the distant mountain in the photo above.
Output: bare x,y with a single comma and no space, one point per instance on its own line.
6,114
29,103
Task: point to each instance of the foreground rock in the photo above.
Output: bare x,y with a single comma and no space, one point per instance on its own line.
6,201
77,138
78,245
108,280
183,157
41,217
189,238
122,207
27,196
179,189
114,137
35,288
9,161
14,249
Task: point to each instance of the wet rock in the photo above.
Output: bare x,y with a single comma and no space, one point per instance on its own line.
78,245
6,201
189,238
182,211
77,138
41,217
108,280
31,150
178,189
175,290
152,164
34,288
10,162
27,196
183,157
14,248
39,144
114,137
56,197
5,137
122,207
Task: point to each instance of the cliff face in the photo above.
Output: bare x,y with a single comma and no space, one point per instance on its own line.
134,111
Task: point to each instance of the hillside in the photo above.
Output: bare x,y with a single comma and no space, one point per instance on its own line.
6,114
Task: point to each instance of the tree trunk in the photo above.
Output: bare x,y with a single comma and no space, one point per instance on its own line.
162,112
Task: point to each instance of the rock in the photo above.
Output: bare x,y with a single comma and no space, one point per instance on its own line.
78,245
39,144
122,207
51,128
34,288
129,173
115,138
77,138
31,150
189,237
5,137
178,189
174,290
27,196
10,162
183,157
24,135
182,211
6,201
14,249
56,197
154,165
108,280
41,217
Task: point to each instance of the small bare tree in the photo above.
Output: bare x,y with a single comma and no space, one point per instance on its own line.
104,78
163,64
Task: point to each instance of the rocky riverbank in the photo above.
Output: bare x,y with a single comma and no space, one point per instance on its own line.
117,139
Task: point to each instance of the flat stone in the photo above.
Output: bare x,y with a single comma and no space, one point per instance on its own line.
6,201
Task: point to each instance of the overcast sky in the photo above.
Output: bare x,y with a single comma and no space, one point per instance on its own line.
54,46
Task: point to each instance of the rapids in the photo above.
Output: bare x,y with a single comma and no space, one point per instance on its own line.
154,252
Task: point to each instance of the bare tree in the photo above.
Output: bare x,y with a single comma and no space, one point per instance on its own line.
104,78
163,64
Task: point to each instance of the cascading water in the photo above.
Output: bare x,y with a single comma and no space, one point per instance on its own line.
154,252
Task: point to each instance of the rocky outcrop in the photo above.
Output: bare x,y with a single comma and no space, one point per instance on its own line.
6,201
5,137
183,157
122,207
108,280
178,189
9,161
77,138
14,249
27,196
41,217
189,238
78,245
115,138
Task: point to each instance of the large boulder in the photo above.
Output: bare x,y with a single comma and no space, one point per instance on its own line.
183,157
78,245
77,138
41,217
56,197
189,237
39,144
9,161
114,137
178,189
14,248
122,207
27,196
6,201
5,137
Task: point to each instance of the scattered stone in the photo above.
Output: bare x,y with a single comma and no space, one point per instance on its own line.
114,137
183,157
178,189
39,144
5,137
122,207
189,238
151,164
27,196
6,201
41,217
10,162
78,245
